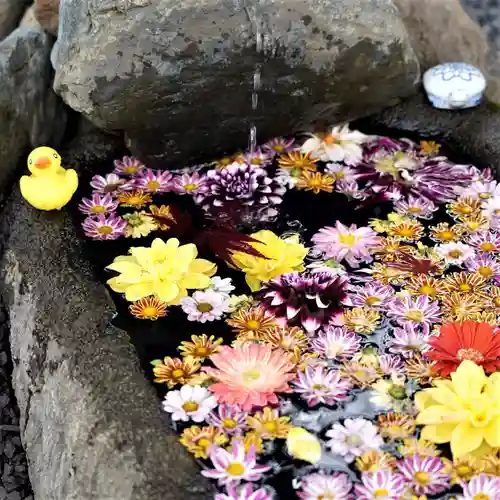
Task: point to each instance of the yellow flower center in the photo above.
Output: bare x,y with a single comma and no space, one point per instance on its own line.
279,148
253,324
105,230
481,496
270,426
319,387
98,209
485,196
414,210
178,373
414,315
496,300
251,375
406,232
463,470
129,170
204,442
201,351
256,161
150,312
485,271
487,246
135,200
386,166
372,301
190,406
445,235
153,185
427,290
190,187
349,240
330,140
235,469
229,423
422,478
381,493
470,354
204,307
464,287
455,254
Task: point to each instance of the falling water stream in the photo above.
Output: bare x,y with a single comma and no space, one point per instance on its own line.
256,85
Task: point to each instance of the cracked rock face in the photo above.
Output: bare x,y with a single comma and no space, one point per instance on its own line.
177,77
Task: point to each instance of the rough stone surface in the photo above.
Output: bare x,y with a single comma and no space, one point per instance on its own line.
47,13
30,112
29,20
177,77
90,422
11,12
441,31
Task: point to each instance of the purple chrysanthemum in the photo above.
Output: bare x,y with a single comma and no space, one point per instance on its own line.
373,295
108,184
104,227
352,244
336,344
321,385
485,241
279,145
305,299
231,419
258,158
128,166
189,183
425,475
482,190
152,181
380,484
413,206
391,365
485,265
482,486
320,485
417,311
245,492
98,204
409,341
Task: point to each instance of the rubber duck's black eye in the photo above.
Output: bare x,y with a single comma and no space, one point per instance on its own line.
31,162
55,155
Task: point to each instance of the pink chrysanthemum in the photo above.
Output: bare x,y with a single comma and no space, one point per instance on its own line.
482,190
230,419
485,241
279,145
189,183
320,485
153,181
373,295
128,166
391,365
104,227
352,244
258,158
98,204
413,206
232,467
381,484
409,341
486,265
483,487
250,375
336,344
108,184
321,385
425,475
417,311
246,492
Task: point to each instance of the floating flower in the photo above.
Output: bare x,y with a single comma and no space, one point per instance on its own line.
315,182
474,223
353,438
228,160
429,147
352,244
129,166
464,411
484,241
460,306
286,338
319,385
199,440
421,370
372,295
231,419
409,341
415,207
416,311
235,465
336,344
165,270
388,364
189,183
486,266
280,256
98,204
455,253
139,224
279,146
251,324
297,163
246,492
410,230
341,144
307,300
482,190
359,372
490,464
389,248
396,426
380,484
221,285
250,375
151,181
425,475
444,233
372,461
465,206
189,403
303,445
269,425
420,446
258,158
465,283
320,485
341,172
481,487
200,347
163,216
173,371
361,320
251,440
205,306
477,342
462,469
148,308
134,199
390,394
108,184
104,227
425,285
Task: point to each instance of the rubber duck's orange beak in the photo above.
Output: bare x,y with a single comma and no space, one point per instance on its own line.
43,162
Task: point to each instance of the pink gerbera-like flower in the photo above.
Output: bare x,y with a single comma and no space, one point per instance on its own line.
98,204
483,487
409,341
425,475
352,244
373,295
417,311
246,492
104,227
279,146
153,181
108,184
232,467
380,485
231,419
321,385
189,183
337,344
129,166
413,206
320,486
485,241
250,375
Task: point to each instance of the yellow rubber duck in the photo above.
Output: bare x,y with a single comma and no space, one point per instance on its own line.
50,186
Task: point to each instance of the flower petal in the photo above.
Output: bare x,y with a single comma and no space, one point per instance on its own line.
438,434
465,439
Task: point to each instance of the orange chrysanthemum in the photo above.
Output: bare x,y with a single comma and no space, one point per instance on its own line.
477,342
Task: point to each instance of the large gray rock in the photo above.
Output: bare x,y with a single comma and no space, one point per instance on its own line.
31,113
11,12
91,423
177,76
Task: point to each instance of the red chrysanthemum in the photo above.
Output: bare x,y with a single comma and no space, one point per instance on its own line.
477,342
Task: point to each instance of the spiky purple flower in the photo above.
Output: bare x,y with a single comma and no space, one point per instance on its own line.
425,475
231,419
258,158
128,166
391,365
381,481
104,227
373,295
336,485
108,184
305,299
98,204
245,492
189,183
279,145
418,311
409,341
321,385
482,486
153,181
337,344
486,265
413,206
485,241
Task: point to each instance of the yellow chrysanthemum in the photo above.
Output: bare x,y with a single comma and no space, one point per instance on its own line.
165,270
269,425
200,347
173,371
463,411
139,224
282,255
198,440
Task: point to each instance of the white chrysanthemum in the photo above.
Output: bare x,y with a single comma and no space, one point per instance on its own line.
455,253
222,285
207,305
189,403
